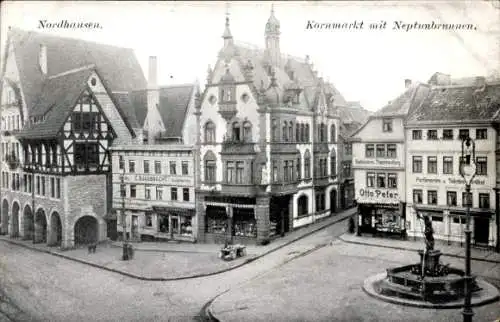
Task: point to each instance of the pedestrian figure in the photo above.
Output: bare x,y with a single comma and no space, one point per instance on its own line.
92,247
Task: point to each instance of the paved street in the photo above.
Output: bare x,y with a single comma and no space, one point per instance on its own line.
292,282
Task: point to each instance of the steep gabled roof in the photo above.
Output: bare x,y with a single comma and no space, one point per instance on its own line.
459,102
401,106
118,66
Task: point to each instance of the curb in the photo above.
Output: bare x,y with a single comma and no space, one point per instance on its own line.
163,279
414,250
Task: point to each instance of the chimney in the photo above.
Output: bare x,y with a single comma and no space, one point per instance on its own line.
153,99
42,59
407,83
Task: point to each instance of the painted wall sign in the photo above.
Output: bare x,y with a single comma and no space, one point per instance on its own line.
377,162
459,181
366,195
155,178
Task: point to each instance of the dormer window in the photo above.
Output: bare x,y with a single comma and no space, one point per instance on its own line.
387,125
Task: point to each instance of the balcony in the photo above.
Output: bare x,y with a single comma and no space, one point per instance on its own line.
230,146
227,110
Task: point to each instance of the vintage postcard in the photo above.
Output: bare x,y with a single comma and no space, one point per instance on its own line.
250,160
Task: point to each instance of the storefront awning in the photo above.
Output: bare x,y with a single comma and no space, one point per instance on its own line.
174,210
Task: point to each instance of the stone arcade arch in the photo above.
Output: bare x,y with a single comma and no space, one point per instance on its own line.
4,218
55,236
14,229
40,226
28,223
86,230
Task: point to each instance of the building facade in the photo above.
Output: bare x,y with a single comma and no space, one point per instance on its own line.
379,157
267,141
154,186
59,118
451,112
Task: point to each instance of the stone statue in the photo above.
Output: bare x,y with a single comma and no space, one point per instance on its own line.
429,234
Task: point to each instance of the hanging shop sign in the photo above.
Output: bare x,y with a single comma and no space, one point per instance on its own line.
364,195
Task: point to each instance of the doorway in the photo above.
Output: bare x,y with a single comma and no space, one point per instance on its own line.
481,230
333,201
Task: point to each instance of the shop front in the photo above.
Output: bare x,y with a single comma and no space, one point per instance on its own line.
172,223
386,220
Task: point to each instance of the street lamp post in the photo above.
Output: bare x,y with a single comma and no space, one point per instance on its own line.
468,172
124,218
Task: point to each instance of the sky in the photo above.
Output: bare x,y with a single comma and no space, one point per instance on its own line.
365,65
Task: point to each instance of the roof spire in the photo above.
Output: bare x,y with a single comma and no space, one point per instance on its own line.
228,37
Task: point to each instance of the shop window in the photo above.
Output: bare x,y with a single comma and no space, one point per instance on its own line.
133,191
463,134
481,134
158,167
465,200
369,150
451,198
432,165
370,180
432,198
381,151
163,224
432,135
159,193
392,180
216,220
131,166
184,166
173,168
149,220
146,166
482,166
185,194
484,200
416,134
186,226
173,193
447,165
447,134
244,222
381,180
417,196
391,150
387,220
417,164
387,125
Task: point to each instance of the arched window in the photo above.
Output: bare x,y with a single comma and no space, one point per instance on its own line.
333,135
236,135
247,131
307,133
274,136
299,170
209,132
210,167
333,163
290,131
285,132
307,164
302,133
302,205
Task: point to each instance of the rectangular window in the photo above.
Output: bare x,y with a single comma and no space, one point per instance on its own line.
146,166
239,171
147,193
481,134
210,171
432,198
370,150
52,188
482,166
185,194
131,166
348,149
381,180
285,171
391,150
484,200
451,198
184,166
380,150
276,170
465,200
230,172
123,192
133,191
43,186
173,167
432,135
432,165
463,134
25,182
148,220
447,165
159,193
417,196
417,164
86,154
346,165
447,134
121,162
370,179
416,134
392,180
58,188
387,125
459,220
173,193
158,167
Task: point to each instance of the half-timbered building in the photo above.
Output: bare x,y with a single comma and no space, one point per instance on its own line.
59,119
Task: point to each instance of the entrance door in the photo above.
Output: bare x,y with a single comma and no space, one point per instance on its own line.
333,201
175,225
481,230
